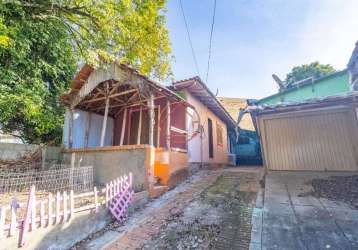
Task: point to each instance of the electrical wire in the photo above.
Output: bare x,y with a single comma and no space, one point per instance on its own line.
210,42
189,38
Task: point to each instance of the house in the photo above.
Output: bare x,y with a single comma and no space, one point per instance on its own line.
119,121
353,69
247,145
332,84
233,107
215,148
319,134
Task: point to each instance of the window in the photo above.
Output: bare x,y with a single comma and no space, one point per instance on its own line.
219,134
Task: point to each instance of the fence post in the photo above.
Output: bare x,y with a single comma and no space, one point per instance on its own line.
72,204
26,222
64,206
13,222
2,221
58,204
107,195
122,183
49,204
33,213
130,179
42,213
111,190
118,186
95,199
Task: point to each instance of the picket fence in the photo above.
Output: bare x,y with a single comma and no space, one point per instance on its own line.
55,209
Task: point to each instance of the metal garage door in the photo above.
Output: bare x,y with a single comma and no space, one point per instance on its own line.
318,140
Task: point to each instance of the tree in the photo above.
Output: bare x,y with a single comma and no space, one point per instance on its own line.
36,65
132,31
304,71
42,41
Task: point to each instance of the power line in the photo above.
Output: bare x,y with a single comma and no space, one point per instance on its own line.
189,38
210,42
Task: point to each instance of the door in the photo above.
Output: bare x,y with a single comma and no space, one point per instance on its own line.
210,135
324,140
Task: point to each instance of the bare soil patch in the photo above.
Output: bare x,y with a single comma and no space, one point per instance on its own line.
220,218
337,188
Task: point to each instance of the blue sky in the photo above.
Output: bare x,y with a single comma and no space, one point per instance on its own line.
255,38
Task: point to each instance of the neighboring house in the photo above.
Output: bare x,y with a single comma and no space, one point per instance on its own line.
233,107
353,69
6,138
10,138
217,126
247,146
332,84
320,134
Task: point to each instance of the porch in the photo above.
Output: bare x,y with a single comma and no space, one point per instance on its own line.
120,121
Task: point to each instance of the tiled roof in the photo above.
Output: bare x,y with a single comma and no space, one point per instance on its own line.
200,91
350,97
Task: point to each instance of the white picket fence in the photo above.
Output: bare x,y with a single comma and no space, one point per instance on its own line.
54,209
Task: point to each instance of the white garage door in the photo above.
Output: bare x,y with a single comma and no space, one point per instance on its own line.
319,140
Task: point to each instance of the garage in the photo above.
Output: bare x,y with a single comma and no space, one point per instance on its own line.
318,135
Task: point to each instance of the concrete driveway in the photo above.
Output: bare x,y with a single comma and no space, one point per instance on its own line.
289,221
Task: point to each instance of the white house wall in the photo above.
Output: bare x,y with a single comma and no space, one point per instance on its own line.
220,151
79,127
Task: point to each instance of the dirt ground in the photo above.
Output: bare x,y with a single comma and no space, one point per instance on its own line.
336,188
210,210
220,218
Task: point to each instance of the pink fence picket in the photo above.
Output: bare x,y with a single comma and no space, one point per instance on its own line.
119,204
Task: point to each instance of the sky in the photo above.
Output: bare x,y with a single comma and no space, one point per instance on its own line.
253,39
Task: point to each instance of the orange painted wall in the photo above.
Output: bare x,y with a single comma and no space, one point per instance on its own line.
168,163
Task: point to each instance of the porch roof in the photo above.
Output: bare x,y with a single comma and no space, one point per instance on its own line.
124,85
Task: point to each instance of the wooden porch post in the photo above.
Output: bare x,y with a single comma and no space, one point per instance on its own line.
151,180
88,127
70,128
168,125
151,119
139,126
104,124
124,122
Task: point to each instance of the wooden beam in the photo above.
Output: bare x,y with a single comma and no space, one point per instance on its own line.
178,130
131,104
104,124
87,129
110,96
151,119
70,128
168,125
158,126
139,126
124,121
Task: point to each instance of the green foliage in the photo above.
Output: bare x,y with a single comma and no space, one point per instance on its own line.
36,67
304,71
41,41
132,31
